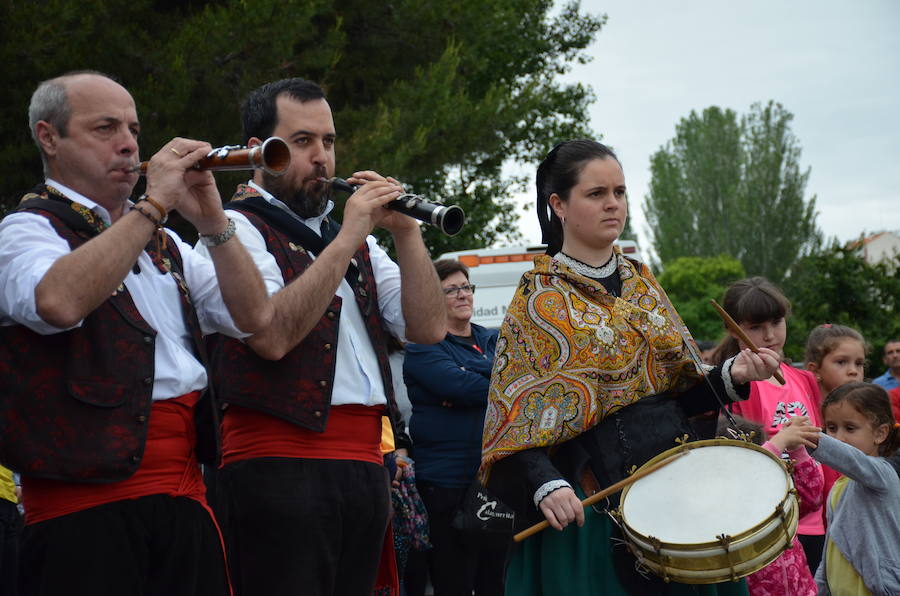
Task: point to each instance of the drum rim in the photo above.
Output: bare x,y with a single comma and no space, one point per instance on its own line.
740,537
714,549
717,572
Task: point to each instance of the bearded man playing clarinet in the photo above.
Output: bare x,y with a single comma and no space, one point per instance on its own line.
305,491
102,315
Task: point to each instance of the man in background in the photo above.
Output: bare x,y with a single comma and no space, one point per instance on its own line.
891,377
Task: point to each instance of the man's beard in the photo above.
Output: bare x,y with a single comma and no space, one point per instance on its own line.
303,202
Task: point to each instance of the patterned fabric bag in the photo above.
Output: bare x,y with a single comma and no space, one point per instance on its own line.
410,517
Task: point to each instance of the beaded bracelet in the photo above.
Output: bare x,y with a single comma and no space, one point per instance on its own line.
160,234
137,207
163,214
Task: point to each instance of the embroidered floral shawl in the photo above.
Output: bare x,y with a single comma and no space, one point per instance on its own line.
570,353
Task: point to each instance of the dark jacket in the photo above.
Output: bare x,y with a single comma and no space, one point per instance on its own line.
76,404
298,387
447,385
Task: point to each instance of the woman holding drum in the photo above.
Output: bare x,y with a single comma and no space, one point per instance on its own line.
595,374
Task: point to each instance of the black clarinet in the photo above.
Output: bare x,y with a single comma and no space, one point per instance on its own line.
447,218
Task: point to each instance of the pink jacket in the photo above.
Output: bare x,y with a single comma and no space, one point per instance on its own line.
789,574
772,405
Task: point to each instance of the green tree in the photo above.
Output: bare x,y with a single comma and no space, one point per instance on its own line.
437,94
733,186
691,282
837,286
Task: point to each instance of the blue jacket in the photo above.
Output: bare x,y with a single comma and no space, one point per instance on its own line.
865,525
447,385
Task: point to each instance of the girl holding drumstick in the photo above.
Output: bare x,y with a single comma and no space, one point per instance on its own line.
761,310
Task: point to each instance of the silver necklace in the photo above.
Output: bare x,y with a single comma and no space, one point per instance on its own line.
585,269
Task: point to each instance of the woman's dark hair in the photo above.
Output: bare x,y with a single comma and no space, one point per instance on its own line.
825,338
751,300
558,173
259,112
871,401
447,267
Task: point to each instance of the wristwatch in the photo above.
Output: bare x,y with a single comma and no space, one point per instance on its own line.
220,238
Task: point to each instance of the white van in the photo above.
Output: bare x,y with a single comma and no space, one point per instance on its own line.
495,272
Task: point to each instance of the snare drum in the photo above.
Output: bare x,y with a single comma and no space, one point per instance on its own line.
722,511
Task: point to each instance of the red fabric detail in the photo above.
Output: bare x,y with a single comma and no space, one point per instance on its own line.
387,582
353,432
787,575
894,394
169,466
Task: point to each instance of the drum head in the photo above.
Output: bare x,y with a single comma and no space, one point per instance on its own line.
713,490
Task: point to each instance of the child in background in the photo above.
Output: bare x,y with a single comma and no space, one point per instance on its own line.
862,553
789,574
836,355
761,311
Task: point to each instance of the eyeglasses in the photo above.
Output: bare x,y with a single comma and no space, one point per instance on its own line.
456,290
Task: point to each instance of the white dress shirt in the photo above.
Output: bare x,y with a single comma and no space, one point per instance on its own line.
28,248
357,378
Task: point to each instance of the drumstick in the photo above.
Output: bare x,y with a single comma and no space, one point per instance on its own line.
596,497
736,329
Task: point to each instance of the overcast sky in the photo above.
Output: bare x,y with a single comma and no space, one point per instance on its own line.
834,65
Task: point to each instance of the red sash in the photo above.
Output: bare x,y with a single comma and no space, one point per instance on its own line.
169,467
353,432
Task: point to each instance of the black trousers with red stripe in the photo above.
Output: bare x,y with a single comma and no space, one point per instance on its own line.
151,546
303,526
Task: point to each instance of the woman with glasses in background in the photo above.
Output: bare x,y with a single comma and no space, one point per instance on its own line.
447,385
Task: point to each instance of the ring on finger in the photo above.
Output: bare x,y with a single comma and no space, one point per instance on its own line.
175,151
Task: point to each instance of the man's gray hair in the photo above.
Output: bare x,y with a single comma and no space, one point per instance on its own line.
50,103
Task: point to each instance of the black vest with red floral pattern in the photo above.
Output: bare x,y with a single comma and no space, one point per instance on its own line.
298,387
74,406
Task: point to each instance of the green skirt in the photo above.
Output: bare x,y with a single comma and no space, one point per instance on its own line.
579,562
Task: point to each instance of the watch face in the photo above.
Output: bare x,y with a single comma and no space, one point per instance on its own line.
221,238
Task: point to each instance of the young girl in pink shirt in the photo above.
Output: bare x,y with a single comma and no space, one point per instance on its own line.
761,310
